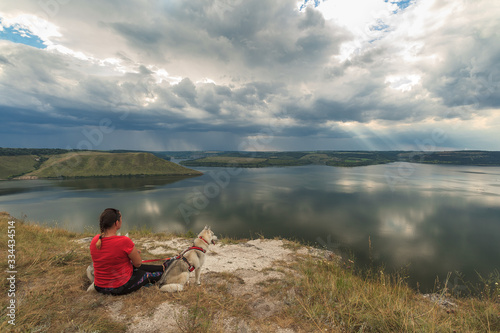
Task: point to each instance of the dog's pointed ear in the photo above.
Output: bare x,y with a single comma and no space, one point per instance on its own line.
206,227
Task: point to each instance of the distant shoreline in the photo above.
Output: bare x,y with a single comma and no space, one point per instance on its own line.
27,163
341,158
109,176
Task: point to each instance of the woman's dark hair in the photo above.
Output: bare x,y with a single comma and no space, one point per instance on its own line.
108,217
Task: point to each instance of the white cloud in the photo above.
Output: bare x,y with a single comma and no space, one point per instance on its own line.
359,17
367,20
404,82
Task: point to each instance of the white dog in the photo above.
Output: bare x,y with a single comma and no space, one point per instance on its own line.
177,274
90,275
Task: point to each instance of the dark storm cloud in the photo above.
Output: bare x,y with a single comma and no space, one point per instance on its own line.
248,35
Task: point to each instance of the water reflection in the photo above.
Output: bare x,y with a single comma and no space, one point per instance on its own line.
23,186
436,222
121,183
435,219
98,183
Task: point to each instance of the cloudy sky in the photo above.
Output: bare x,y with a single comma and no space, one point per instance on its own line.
250,74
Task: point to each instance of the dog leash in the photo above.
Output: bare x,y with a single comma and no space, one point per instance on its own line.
151,260
182,253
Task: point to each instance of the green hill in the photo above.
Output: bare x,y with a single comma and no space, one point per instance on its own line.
11,166
102,164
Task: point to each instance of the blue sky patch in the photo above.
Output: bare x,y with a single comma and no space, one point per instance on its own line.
402,5
380,26
304,5
21,35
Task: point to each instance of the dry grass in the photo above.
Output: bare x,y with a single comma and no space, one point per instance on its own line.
207,307
313,295
50,283
334,298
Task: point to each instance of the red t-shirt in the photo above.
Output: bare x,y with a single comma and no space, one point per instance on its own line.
112,266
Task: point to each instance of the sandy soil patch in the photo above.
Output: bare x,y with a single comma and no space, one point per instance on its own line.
255,254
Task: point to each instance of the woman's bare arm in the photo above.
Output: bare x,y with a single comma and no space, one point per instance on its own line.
135,256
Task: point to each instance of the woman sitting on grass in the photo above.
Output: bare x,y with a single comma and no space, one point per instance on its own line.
118,268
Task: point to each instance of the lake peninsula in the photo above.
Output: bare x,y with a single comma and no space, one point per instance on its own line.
79,164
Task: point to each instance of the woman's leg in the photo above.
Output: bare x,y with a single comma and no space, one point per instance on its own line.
145,274
140,276
155,269
151,268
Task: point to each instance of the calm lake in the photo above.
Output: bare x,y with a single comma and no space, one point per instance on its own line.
430,219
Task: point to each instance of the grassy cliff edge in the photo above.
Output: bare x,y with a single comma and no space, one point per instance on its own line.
310,290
